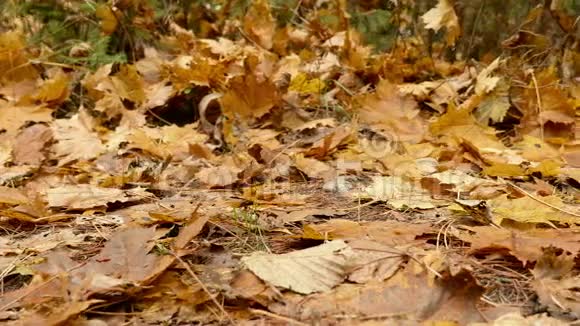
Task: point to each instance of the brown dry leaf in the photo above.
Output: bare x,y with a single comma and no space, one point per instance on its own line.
485,83
12,196
14,117
145,139
410,295
45,241
97,82
526,246
494,107
315,124
172,209
122,267
460,181
443,15
55,90
157,95
312,167
168,297
259,24
87,196
248,98
129,85
399,193
316,269
556,117
185,70
12,174
536,150
219,176
515,318
374,261
393,112
458,126
556,284
76,138
61,316
29,145
179,139
528,210
386,232
126,256
5,152
329,143
111,105
14,62
504,170
247,285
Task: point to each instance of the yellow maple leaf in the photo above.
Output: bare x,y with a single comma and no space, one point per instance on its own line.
301,84
528,210
54,90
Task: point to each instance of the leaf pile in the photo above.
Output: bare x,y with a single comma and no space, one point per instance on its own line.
290,175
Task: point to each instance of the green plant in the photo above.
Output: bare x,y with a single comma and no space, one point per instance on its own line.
248,218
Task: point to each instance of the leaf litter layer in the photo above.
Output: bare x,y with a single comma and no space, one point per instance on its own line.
289,174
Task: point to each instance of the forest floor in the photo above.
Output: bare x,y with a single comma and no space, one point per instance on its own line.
290,176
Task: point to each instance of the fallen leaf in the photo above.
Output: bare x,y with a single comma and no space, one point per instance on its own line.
393,112
526,246
518,319
76,139
312,167
248,98
12,118
443,15
486,83
87,196
259,24
30,145
409,295
400,193
556,285
219,176
316,269
374,261
527,210
55,90
390,233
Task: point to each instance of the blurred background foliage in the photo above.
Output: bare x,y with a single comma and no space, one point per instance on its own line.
95,32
